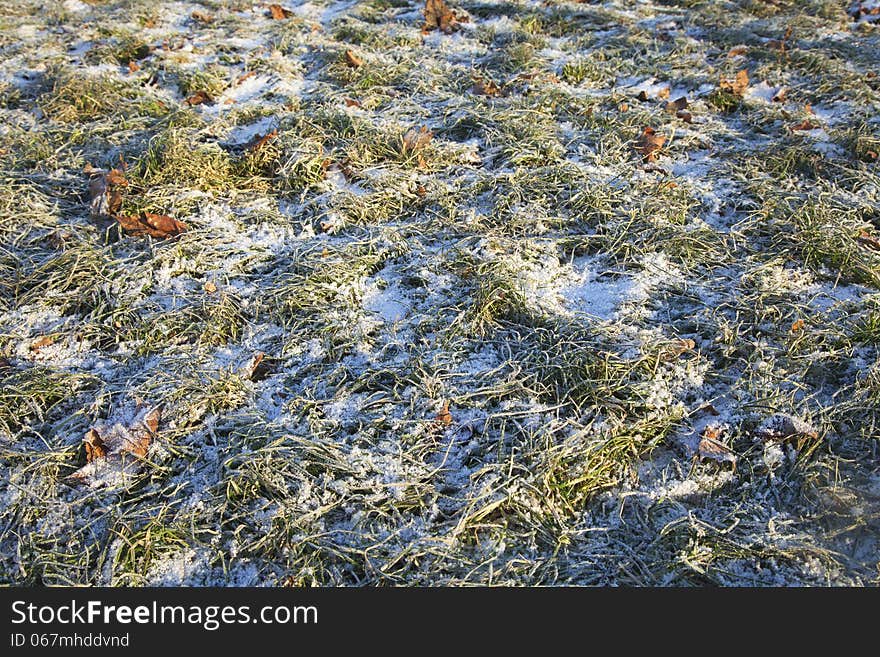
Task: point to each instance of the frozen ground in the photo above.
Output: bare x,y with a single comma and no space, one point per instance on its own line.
518,347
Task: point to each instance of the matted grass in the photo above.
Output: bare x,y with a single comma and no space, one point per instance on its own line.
436,320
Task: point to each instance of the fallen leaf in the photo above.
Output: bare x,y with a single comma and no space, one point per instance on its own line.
685,116
352,59
866,239
159,226
677,105
259,367
244,76
278,12
202,17
661,94
797,325
737,85
872,154
415,139
623,107
95,446
736,51
484,87
710,409
351,102
782,426
438,16
44,341
258,142
711,446
444,417
105,191
649,143
133,66
806,124
116,450
210,287
200,98
681,346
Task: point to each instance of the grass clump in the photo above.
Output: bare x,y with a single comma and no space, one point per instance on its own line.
74,98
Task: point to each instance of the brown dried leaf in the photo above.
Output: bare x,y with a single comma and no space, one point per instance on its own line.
438,16
44,341
210,287
681,346
258,142
806,124
677,105
159,226
200,98
797,325
352,59
685,116
444,417
351,102
278,12
95,447
484,87
649,143
202,17
866,239
244,76
416,138
711,446
736,51
259,367
105,191
737,85
710,409
110,448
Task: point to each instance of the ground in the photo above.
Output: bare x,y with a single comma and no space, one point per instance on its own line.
556,295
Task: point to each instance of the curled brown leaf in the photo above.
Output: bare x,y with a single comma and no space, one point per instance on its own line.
648,143
159,226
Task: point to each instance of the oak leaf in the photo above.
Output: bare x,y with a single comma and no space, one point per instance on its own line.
113,451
